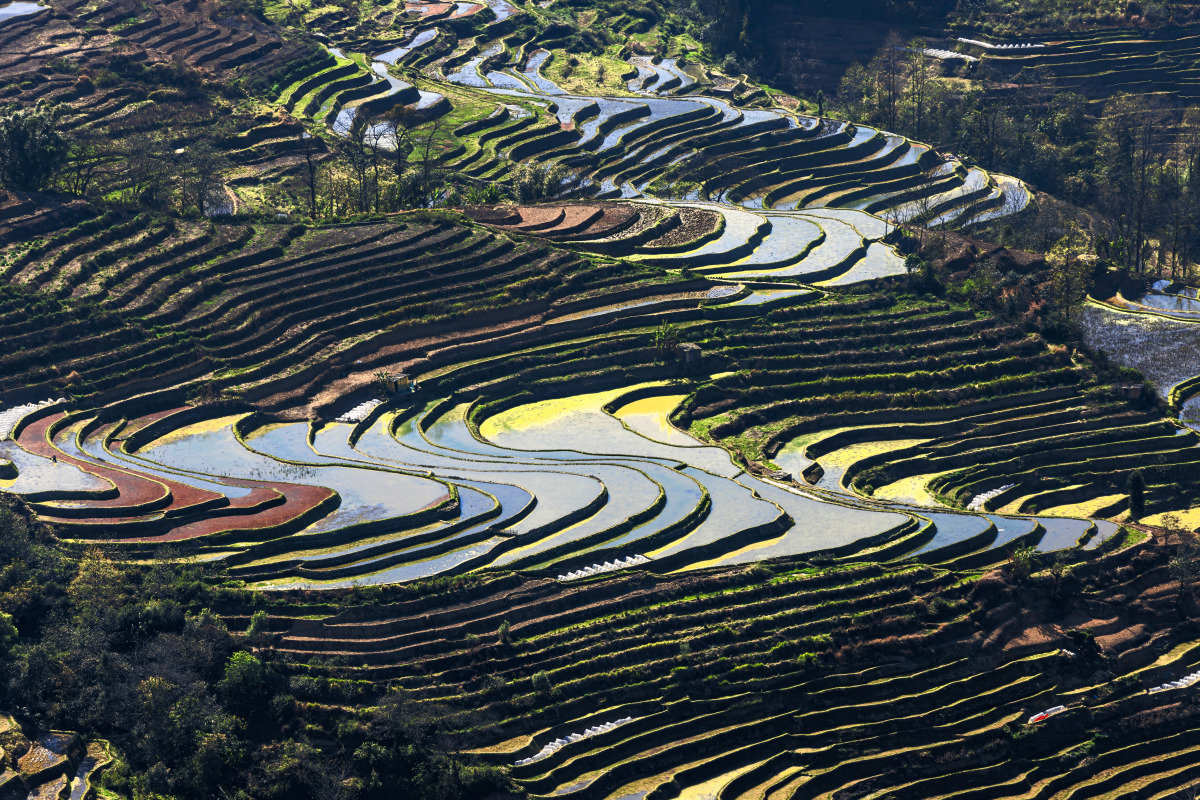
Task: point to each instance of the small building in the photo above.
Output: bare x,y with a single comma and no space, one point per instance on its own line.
398,383
1130,391
688,352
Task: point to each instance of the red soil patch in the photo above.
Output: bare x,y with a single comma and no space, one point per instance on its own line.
494,215
472,9
575,219
559,222
427,9
298,501
267,505
132,489
614,219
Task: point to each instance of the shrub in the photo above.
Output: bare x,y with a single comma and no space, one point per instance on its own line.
8,633
1022,562
245,681
542,685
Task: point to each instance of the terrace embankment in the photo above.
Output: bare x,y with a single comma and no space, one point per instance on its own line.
871,390
49,763
904,680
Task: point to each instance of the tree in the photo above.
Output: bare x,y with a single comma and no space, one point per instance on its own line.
96,587
533,182
1136,488
1022,562
1185,568
429,184
244,684
8,633
1070,274
666,338
856,92
146,169
259,624
918,85
398,124
202,170
89,151
887,73
1129,153
32,150
312,149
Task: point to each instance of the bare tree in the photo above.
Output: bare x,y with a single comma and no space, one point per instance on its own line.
311,148
90,152
918,84
398,123
146,169
428,163
202,170
887,70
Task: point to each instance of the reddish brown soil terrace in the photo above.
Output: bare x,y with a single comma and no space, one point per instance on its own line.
558,222
428,9
613,220
135,493
574,220
288,507
144,501
536,219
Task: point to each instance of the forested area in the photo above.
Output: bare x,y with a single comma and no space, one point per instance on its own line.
134,654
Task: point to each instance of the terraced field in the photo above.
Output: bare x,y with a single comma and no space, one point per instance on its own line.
671,129
56,764
223,395
549,435
1160,62
663,480
791,681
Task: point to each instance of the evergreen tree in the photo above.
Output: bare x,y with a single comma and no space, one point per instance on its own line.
1137,495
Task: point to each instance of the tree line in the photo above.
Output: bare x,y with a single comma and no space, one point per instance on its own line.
1132,161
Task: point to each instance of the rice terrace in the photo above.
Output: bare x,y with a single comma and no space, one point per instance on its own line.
599,400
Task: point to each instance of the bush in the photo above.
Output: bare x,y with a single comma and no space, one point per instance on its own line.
8,633
1022,562
32,148
244,684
